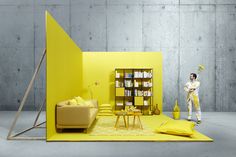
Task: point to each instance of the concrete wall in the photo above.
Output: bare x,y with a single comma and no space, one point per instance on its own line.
188,32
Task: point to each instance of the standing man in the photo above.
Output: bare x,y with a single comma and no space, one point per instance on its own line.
192,88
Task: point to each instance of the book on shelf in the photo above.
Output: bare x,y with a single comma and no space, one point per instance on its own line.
142,93
147,93
136,83
144,74
128,83
119,84
138,74
147,74
128,103
118,74
145,102
128,92
128,75
147,84
119,104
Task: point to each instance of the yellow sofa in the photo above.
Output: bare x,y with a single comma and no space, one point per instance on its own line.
75,116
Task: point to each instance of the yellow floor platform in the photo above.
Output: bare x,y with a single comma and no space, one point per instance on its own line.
103,130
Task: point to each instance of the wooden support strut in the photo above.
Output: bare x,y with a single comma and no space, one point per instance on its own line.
35,125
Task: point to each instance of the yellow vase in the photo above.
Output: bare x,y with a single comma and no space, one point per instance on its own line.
157,111
176,115
176,111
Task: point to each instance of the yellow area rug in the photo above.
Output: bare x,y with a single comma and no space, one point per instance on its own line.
105,127
103,130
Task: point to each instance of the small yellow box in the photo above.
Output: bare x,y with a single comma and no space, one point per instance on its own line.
138,101
120,91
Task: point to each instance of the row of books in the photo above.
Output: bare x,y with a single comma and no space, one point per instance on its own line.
129,83
138,93
142,93
127,103
144,84
137,74
130,103
128,93
144,74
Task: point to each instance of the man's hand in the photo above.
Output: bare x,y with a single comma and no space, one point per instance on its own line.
192,89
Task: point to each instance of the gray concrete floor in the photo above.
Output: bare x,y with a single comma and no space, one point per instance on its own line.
218,125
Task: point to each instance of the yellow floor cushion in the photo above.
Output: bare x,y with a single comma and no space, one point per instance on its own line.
177,127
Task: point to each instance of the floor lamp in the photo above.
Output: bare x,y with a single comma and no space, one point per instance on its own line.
35,125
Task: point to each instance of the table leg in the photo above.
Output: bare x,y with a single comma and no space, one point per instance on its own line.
117,121
125,121
134,121
140,122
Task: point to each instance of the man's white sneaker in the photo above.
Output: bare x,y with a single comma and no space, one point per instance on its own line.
199,121
189,118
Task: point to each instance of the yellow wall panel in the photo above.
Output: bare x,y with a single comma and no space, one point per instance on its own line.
64,69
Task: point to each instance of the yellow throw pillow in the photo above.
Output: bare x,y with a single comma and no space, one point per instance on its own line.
87,103
72,102
105,105
177,127
79,100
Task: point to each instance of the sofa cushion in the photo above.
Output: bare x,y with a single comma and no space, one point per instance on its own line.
63,103
88,103
79,100
72,102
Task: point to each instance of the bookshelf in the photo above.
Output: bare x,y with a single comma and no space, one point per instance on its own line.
134,87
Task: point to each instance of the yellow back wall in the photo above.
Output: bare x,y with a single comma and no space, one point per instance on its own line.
100,67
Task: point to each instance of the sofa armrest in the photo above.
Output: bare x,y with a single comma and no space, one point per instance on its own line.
63,103
94,102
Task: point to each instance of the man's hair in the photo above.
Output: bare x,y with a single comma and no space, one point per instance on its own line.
194,75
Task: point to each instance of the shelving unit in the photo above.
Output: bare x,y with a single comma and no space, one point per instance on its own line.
134,87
